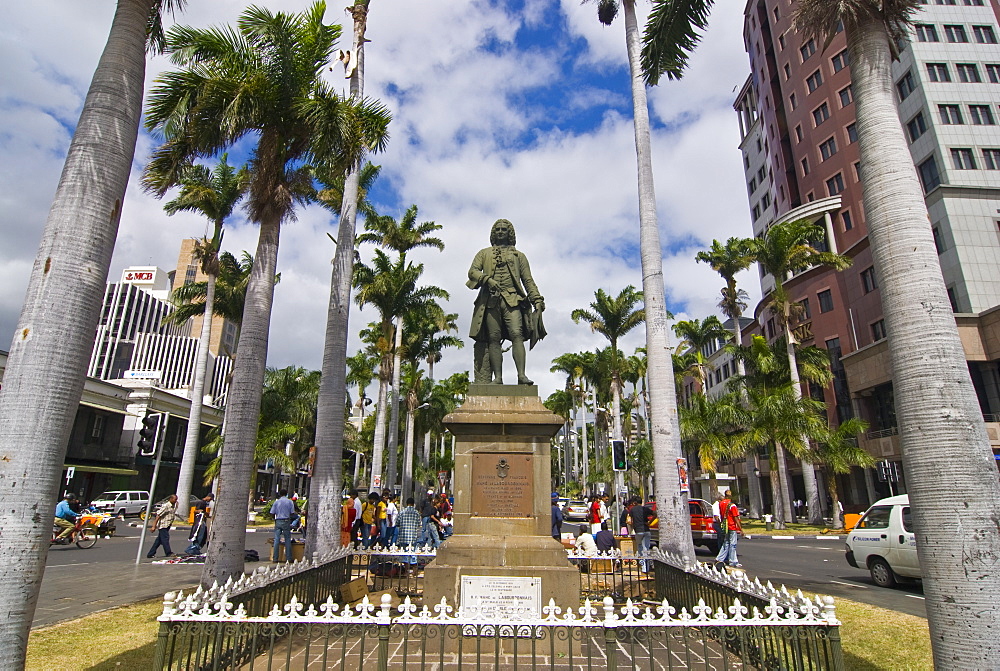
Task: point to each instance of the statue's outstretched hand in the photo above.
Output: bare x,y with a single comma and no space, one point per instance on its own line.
540,305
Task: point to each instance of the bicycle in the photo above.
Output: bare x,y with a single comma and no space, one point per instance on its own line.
84,536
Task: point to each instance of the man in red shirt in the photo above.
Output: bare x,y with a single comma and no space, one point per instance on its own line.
595,515
728,522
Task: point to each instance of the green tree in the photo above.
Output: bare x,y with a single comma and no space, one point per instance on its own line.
47,364
675,532
324,534
784,249
940,421
613,318
838,451
214,194
696,336
261,82
712,429
230,292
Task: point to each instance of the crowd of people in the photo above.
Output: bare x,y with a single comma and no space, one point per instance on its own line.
378,519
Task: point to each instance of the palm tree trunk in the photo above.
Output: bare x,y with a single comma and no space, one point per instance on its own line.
408,455
782,495
228,533
393,442
835,513
323,533
427,434
48,358
940,421
192,441
675,528
753,482
808,470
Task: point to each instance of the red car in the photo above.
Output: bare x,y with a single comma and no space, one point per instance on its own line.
702,526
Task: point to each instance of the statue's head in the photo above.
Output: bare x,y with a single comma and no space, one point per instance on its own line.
502,233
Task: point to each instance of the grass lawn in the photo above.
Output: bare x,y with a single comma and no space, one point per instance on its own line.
125,638
755,527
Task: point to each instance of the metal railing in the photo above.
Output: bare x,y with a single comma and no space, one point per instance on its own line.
692,617
882,433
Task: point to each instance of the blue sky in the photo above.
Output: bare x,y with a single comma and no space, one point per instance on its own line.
518,110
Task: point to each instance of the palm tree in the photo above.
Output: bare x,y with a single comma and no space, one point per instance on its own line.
838,451
391,288
231,282
712,429
263,82
213,193
572,365
562,403
613,318
360,373
47,364
436,344
399,236
784,249
728,260
940,420
696,336
324,536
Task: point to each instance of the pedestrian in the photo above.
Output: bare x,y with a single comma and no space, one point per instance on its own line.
381,519
356,529
595,514
604,511
347,516
391,521
369,520
640,516
728,524
199,528
431,524
161,525
283,510
557,517
585,541
409,526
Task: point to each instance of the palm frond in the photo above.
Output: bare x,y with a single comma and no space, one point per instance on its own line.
673,30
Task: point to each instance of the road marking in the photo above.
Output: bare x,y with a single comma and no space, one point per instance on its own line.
797,575
783,538
813,547
820,538
914,596
850,584
58,565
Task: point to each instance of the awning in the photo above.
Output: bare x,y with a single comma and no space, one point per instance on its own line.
107,470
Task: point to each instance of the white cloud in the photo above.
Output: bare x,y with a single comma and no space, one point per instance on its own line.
474,138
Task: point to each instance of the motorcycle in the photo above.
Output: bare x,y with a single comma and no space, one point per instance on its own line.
82,534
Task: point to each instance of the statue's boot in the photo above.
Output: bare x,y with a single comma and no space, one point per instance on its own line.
496,362
517,348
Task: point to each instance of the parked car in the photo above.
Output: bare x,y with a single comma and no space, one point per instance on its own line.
576,511
884,543
702,526
122,503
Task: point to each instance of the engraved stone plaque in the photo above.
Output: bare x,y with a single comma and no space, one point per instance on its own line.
501,597
502,485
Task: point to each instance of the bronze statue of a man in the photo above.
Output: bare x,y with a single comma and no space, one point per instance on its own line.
503,308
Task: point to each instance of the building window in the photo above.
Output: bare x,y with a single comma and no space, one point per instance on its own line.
825,300
814,81
926,33
792,101
916,126
808,49
806,312
97,429
956,33
828,148
846,96
857,171
781,41
835,184
973,3
810,197
968,73
938,72
190,274
951,115
777,16
840,61
878,330
962,159
981,115
991,159
938,243
929,175
984,34
798,133
756,212
868,283
762,174
788,72
906,85
765,202
770,328
805,166
953,299
943,2
852,133
752,186
821,114
993,72
845,217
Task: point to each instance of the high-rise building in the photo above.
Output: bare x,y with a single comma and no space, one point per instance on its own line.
225,333
801,161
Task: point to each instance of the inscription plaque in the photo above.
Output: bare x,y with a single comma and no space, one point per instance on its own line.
502,485
501,597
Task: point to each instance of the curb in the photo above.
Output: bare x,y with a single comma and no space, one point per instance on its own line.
792,538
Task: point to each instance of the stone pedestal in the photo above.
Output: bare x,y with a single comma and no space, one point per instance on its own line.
503,506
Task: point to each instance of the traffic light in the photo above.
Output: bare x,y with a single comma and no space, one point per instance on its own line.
149,433
618,460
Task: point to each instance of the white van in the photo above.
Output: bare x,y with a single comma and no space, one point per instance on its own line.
122,502
883,542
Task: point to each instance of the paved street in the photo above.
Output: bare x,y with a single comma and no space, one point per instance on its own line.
819,566
79,582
